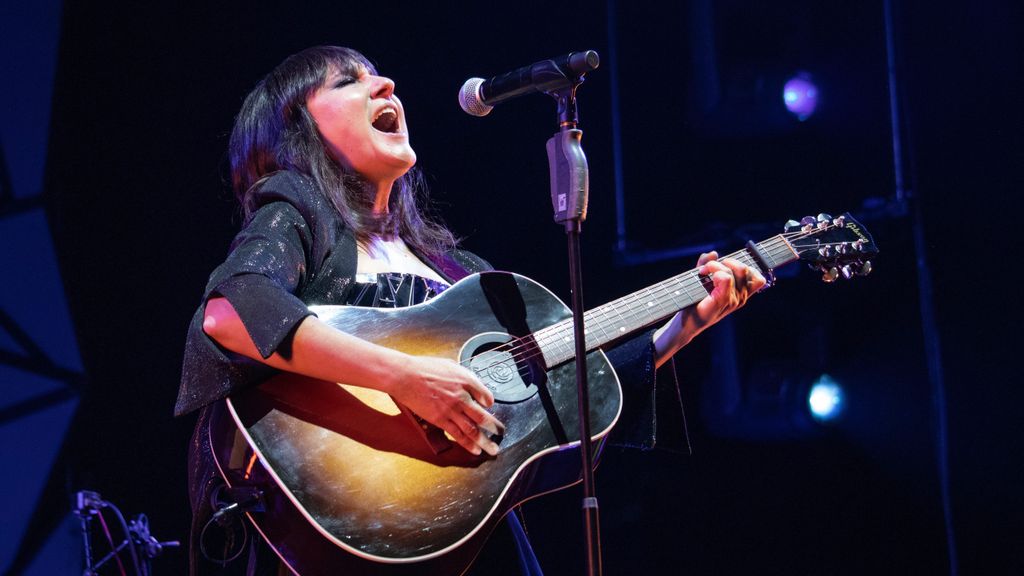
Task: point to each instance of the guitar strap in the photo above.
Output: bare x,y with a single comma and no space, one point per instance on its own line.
454,266
450,269
528,563
447,267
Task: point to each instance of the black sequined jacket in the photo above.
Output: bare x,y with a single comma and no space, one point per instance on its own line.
296,251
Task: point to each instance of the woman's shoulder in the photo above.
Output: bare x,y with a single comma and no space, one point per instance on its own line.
301,195
287,186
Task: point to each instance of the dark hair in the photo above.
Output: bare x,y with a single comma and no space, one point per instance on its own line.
274,131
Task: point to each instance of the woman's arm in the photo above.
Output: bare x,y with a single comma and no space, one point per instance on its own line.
733,284
438,390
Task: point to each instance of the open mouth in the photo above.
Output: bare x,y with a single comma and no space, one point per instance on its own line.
386,121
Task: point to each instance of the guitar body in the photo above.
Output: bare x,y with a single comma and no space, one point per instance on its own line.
351,486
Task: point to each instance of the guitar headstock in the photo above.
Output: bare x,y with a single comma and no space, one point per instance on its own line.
838,246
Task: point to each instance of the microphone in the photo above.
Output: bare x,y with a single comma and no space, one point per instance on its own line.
479,96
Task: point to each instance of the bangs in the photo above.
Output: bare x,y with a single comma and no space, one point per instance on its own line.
345,61
302,73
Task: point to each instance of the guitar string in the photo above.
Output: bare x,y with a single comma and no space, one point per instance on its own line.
548,336
687,284
678,285
519,349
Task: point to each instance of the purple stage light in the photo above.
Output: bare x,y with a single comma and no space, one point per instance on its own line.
800,95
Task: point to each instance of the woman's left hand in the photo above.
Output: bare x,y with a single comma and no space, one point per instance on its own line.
734,283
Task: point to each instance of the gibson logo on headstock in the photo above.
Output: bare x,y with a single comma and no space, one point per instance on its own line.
852,226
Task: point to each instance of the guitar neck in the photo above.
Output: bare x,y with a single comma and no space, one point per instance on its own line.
644,308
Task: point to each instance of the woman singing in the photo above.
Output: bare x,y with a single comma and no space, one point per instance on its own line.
323,169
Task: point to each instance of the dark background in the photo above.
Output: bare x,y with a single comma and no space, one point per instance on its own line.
145,96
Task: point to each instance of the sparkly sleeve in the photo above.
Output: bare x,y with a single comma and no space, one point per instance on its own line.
264,270
650,413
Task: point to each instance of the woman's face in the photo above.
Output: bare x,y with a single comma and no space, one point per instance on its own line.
363,124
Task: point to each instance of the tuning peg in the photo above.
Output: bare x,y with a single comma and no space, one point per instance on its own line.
824,218
807,223
839,221
843,247
830,275
825,251
791,226
846,271
865,269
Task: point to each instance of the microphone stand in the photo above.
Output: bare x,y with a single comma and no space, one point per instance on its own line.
569,189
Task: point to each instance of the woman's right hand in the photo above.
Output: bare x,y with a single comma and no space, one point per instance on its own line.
452,398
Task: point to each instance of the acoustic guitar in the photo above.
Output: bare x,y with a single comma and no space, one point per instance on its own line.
348,484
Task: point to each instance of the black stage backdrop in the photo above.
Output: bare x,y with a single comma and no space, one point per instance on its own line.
140,212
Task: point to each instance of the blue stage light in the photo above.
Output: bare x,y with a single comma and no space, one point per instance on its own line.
800,95
825,399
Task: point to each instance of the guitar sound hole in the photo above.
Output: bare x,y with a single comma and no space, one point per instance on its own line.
507,374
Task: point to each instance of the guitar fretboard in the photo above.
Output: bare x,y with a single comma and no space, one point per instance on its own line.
641,309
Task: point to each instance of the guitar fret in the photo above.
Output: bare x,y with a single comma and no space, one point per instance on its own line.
645,307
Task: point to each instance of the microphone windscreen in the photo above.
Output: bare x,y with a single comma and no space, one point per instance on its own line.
470,99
